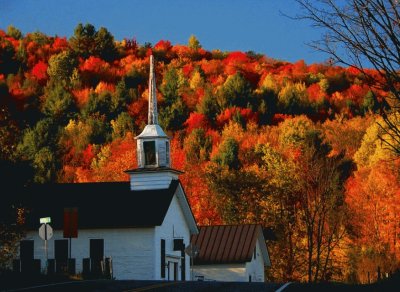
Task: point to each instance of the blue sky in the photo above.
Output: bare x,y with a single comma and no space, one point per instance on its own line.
228,25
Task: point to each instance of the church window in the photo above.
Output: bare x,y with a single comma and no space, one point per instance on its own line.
149,152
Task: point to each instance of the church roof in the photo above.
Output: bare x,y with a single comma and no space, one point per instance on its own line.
154,169
100,205
227,244
152,131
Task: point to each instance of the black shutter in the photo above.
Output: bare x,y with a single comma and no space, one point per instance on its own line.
183,265
97,249
162,258
26,250
61,249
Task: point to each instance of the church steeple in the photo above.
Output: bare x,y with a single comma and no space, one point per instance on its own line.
153,143
153,149
152,114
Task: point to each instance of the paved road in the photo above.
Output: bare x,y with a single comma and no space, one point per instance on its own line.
136,286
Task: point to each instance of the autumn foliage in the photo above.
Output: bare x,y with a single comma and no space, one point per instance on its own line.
292,146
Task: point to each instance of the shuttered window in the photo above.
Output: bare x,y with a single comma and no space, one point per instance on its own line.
96,248
162,258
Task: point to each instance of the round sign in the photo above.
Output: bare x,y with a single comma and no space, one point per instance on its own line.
192,250
45,232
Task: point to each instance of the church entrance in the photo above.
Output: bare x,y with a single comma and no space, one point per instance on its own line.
173,271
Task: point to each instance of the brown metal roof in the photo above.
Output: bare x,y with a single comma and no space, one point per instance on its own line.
222,244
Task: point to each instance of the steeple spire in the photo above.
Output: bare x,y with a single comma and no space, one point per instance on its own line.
152,149
152,115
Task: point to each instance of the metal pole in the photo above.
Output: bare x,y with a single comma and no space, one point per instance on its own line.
191,260
45,246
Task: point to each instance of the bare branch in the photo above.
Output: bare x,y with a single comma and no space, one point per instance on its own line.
363,33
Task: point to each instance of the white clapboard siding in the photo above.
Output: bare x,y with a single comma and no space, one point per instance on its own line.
253,269
131,249
174,226
151,181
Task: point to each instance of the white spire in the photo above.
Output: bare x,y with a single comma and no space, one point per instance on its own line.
152,115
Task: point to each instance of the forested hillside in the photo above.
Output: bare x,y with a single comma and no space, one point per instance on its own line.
292,146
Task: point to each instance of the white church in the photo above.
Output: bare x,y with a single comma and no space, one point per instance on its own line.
128,230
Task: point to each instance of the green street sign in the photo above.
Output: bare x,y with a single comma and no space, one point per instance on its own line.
45,220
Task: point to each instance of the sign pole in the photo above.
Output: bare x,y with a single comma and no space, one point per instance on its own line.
45,246
45,235
191,259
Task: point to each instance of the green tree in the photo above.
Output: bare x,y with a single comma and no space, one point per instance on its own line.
38,37
194,43
228,154
14,32
294,131
58,103
101,130
105,45
174,112
267,104
76,134
372,150
279,210
44,164
8,63
100,104
293,98
370,102
170,86
208,106
61,67
173,117
122,125
134,78
197,146
236,91
38,146
34,139
83,41
120,98
241,192
86,42
21,55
